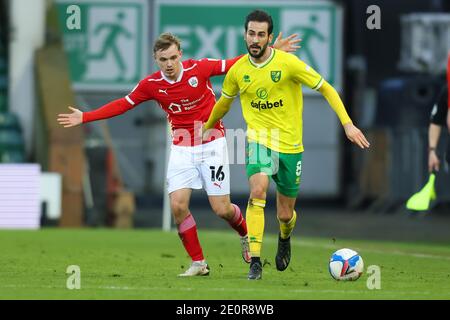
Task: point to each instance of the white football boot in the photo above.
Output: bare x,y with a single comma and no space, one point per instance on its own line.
197,268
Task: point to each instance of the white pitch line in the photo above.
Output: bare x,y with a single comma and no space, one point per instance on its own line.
395,252
232,290
305,243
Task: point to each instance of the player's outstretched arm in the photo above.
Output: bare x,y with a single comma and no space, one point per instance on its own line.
289,44
448,120
434,131
351,131
70,119
356,136
220,109
109,110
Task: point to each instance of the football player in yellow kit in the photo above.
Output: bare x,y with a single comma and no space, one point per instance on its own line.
269,83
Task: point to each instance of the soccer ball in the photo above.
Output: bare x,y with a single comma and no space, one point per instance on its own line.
346,264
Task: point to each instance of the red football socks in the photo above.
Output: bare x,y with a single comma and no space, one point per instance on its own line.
238,222
187,231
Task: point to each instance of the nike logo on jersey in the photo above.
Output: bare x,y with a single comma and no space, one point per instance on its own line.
163,91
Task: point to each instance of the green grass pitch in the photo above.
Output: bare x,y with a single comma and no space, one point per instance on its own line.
143,264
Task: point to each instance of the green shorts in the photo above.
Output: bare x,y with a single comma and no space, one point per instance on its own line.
284,168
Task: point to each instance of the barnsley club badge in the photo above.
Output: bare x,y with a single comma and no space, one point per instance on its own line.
193,81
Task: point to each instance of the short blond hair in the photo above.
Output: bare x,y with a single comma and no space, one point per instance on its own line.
165,40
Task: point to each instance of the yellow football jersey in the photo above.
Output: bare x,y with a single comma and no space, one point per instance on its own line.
271,98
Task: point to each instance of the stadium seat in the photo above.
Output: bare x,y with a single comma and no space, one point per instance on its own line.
12,146
11,156
3,80
9,121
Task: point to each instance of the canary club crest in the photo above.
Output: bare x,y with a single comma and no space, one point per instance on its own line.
193,81
276,75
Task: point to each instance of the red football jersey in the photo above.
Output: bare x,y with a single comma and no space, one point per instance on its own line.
188,101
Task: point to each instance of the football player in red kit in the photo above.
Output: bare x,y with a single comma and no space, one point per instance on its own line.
183,90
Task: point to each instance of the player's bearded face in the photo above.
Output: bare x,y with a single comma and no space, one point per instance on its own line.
257,38
256,50
169,61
